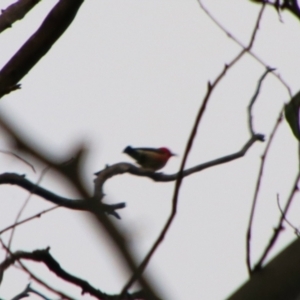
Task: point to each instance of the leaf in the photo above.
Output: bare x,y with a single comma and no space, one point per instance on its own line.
292,110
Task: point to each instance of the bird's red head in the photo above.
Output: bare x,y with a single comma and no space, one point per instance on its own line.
166,151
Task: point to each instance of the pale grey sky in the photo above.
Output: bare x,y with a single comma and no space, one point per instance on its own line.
135,73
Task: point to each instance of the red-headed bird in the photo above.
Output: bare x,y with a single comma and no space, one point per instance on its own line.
150,158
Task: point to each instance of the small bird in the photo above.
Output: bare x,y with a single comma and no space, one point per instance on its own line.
150,158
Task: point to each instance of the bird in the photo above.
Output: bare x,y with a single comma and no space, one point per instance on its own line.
151,159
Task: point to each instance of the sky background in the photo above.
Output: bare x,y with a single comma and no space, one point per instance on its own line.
135,73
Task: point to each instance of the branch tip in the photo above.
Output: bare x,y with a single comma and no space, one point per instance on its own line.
260,137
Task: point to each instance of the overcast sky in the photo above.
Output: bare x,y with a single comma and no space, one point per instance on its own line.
135,73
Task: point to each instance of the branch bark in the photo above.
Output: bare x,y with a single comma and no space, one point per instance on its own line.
15,12
45,257
121,168
77,204
54,25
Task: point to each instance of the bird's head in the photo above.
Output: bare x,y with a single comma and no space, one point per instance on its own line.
167,152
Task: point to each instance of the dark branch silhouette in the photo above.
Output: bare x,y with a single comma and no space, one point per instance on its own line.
256,192
238,42
19,158
45,257
98,210
121,168
210,88
77,204
54,25
117,169
296,230
38,215
27,292
253,99
15,12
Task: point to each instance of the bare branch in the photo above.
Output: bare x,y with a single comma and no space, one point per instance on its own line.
77,204
45,257
93,205
54,25
296,230
38,215
23,294
247,49
23,207
26,292
253,99
121,168
31,290
9,261
69,169
15,12
255,197
210,88
18,157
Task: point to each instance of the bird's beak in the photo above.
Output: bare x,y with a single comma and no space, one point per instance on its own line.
173,154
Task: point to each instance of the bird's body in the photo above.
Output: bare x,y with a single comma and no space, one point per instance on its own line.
150,158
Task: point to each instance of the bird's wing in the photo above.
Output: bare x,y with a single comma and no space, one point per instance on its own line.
147,149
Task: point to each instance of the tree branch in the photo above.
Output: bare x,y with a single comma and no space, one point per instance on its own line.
72,173
189,144
237,41
255,197
38,215
253,99
15,12
54,25
77,204
121,168
45,257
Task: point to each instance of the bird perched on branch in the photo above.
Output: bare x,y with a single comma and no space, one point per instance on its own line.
150,158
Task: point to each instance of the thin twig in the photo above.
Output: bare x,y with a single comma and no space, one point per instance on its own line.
31,290
189,145
121,168
46,169
252,39
248,50
53,26
38,215
44,256
44,284
15,12
19,157
26,292
23,294
255,197
296,230
34,277
253,99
